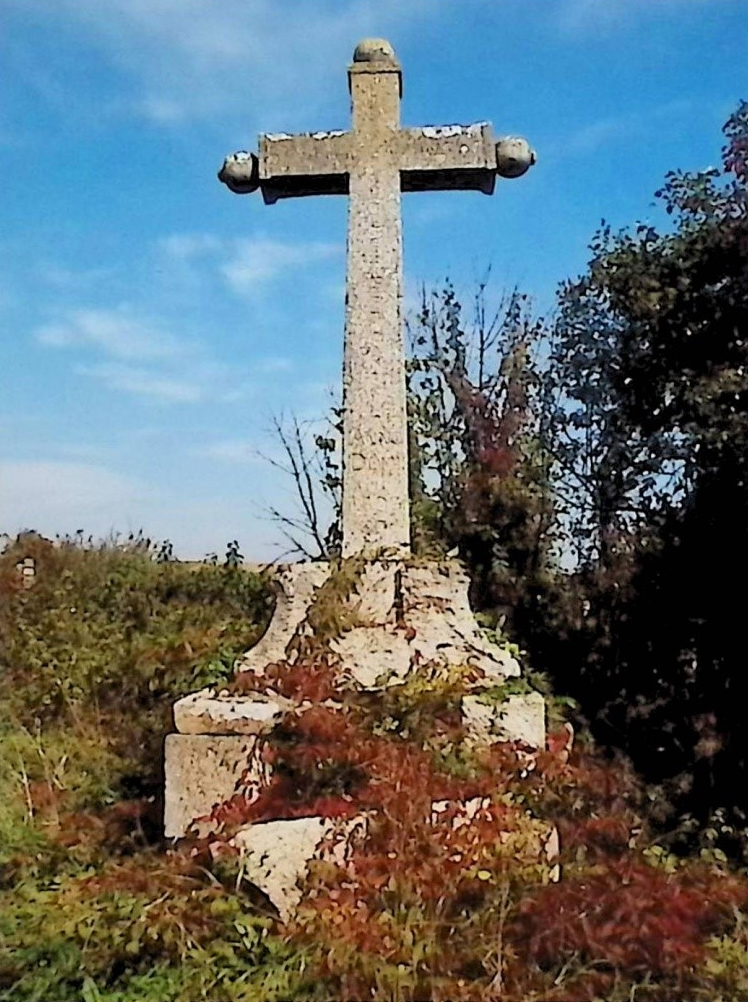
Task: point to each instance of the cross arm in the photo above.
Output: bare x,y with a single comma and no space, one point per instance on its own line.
447,157
314,163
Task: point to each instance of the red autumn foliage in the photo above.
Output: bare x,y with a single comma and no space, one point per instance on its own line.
119,829
628,915
326,763
609,835
315,681
427,882
176,873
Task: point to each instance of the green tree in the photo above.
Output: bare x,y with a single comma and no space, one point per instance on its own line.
650,367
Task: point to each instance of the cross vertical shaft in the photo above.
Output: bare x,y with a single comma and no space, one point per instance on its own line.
375,445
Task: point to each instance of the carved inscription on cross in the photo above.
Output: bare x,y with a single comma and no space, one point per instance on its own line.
372,164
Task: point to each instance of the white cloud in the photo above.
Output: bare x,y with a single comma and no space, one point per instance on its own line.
68,278
247,265
185,246
583,16
60,497
141,356
193,58
622,128
142,382
599,133
259,261
116,332
231,451
275,363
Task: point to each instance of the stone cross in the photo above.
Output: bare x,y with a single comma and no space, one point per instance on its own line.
372,164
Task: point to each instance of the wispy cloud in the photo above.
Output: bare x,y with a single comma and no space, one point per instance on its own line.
594,135
257,262
238,451
117,332
584,16
247,266
187,246
146,383
191,58
142,356
601,132
59,496
61,277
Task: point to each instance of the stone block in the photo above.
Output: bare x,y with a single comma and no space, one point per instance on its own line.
202,770
211,712
519,717
275,854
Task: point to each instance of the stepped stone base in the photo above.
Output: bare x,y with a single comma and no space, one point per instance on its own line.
406,614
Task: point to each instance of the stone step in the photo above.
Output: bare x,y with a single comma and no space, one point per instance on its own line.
204,769
275,855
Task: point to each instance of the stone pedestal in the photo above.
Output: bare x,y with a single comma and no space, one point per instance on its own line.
406,614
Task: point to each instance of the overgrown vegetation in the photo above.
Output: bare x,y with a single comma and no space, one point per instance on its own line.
94,905
93,656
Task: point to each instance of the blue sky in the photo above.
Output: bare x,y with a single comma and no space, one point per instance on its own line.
153,323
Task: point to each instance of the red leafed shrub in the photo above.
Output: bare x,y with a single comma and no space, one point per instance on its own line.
628,915
607,835
580,786
315,681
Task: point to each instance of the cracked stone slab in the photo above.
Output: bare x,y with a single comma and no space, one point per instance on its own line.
436,606
430,620
519,717
275,854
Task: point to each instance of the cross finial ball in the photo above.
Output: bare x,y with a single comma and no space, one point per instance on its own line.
374,50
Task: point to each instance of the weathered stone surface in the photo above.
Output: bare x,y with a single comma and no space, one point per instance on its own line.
519,717
374,50
202,770
295,586
209,712
430,620
436,606
276,854
407,615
